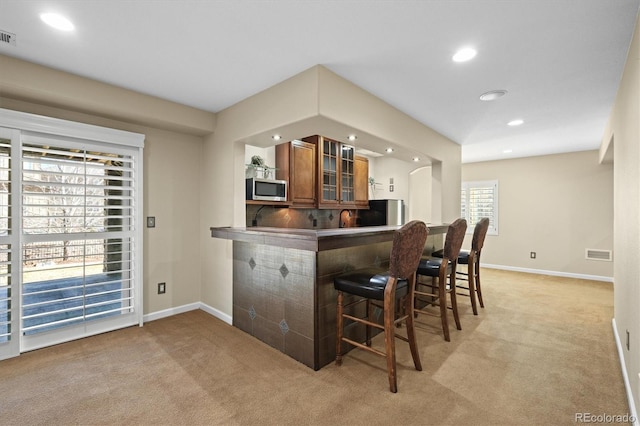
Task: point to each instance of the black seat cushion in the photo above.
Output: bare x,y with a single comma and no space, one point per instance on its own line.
463,257
431,267
368,282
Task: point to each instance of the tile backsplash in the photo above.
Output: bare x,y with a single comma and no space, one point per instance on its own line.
280,217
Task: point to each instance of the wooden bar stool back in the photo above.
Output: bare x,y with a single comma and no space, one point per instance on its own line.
397,284
471,258
434,293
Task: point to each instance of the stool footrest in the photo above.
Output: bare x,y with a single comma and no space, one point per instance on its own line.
364,321
365,347
431,314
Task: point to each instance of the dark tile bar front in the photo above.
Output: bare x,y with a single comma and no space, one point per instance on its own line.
283,282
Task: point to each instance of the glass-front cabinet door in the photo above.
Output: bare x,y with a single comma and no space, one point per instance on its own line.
347,154
337,173
330,163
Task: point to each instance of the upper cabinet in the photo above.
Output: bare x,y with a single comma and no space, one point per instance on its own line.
361,181
323,173
296,163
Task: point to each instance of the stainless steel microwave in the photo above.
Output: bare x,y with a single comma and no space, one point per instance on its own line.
266,189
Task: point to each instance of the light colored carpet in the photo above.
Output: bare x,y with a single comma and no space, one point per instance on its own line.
541,351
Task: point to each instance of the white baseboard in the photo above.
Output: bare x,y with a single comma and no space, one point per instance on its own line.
627,386
186,308
217,313
171,311
552,273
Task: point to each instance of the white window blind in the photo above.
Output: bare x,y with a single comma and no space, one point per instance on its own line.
78,207
6,314
70,230
478,200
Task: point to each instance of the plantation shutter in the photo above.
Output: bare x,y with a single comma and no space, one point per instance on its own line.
479,200
70,230
463,203
78,231
6,306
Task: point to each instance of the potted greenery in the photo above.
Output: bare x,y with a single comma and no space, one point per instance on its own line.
372,184
258,169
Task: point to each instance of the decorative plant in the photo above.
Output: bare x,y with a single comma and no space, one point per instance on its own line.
257,161
372,184
258,165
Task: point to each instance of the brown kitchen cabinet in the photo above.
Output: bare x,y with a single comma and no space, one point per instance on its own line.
323,173
361,182
296,162
342,176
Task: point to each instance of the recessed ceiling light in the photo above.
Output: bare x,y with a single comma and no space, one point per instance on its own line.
507,151
492,95
352,137
389,150
515,122
57,21
465,54
416,159
276,137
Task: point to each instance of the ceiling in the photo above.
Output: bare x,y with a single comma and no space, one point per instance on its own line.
560,61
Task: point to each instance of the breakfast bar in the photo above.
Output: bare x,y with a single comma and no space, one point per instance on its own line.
283,281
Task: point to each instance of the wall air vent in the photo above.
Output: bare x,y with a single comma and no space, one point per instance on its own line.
7,38
595,254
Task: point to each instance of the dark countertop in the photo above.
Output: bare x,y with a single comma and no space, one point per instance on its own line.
315,239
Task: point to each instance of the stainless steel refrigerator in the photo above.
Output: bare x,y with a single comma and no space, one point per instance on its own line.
383,212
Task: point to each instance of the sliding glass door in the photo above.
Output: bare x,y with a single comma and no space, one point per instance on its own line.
77,230
9,336
69,238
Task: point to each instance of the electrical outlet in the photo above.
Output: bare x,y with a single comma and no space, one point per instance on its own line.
627,339
151,221
162,288
533,255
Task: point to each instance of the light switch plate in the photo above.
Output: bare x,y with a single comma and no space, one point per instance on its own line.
151,221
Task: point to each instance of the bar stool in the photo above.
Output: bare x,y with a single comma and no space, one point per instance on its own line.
440,268
471,258
371,285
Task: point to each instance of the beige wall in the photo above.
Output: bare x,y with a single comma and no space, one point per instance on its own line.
171,164
315,101
194,160
420,198
391,168
623,131
555,205
367,113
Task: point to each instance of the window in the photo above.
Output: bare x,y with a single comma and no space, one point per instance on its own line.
70,231
78,239
478,200
5,244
